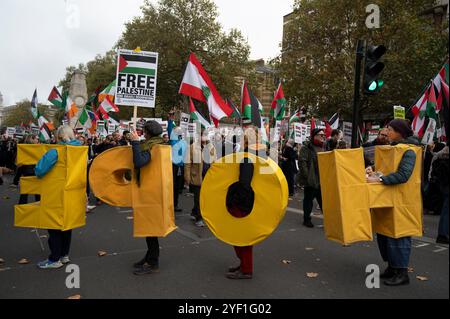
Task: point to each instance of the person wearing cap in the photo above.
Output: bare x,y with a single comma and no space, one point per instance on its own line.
396,251
142,157
309,173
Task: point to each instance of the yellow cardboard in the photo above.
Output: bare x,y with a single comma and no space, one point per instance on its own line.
345,196
62,190
353,209
271,199
152,201
402,216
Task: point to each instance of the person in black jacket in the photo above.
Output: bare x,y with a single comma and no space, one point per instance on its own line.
26,170
142,157
288,166
396,251
309,174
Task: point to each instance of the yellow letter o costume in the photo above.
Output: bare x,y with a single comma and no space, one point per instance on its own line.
271,199
152,201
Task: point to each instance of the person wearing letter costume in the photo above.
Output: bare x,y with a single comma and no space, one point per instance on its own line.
253,193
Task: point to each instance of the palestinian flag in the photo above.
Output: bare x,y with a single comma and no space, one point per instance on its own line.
196,116
246,105
93,99
295,117
55,98
34,105
109,91
136,64
236,114
252,106
45,128
107,106
334,121
198,85
278,105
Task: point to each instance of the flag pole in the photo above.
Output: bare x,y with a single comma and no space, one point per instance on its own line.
134,122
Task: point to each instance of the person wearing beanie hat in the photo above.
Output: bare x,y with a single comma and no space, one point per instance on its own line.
141,157
309,173
401,127
396,251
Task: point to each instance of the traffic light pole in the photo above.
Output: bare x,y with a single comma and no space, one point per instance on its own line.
357,87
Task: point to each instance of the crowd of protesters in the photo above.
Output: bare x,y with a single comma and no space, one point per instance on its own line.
191,160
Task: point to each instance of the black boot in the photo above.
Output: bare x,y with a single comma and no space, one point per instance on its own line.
308,223
442,240
388,273
141,263
400,278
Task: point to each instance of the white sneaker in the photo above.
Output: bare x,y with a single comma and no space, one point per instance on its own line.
90,208
65,260
200,223
47,264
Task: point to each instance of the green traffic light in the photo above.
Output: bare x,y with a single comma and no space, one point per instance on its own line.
373,86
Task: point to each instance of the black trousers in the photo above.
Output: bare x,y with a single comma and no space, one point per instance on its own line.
196,209
152,256
59,243
308,201
178,182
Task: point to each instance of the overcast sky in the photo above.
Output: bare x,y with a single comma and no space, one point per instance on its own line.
39,39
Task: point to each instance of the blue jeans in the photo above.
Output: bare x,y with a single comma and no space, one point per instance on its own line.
443,221
395,252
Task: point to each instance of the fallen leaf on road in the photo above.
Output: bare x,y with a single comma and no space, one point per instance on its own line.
410,269
309,248
422,278
130,217
286,262
5,197
312,274
23,261
102,253
75,297
43,236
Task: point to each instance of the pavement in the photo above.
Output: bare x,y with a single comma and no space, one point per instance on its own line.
193,262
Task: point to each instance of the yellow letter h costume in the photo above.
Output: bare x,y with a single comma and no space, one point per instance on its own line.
62,190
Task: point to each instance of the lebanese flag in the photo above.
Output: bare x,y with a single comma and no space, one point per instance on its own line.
55,98
418,124
198,85
196,116
107,106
